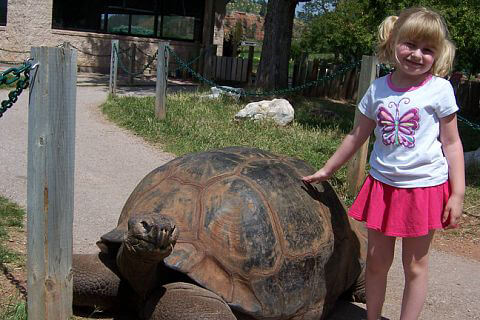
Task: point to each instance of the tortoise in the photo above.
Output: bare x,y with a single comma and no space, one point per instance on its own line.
225,234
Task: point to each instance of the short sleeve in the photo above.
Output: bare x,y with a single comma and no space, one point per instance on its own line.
446,103
365,106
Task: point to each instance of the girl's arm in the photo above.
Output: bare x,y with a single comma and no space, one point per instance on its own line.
348,147
453,150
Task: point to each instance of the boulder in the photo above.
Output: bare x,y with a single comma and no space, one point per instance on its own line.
472,159
278,110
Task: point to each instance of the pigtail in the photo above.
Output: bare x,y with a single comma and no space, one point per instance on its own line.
444,63
385,47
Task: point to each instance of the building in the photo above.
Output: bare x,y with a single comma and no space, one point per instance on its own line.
90,25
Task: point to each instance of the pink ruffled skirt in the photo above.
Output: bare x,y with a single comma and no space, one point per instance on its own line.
400,212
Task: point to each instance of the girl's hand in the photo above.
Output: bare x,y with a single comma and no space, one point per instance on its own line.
453,211
319,176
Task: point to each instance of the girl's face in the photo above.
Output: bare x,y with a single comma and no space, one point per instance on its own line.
415,58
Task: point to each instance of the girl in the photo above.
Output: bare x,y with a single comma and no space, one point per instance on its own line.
416,183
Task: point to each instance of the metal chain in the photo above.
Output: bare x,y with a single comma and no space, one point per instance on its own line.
122,66
340,71
21,83
468,123
17,283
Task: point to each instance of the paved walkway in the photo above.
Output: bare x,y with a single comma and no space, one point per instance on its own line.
110,161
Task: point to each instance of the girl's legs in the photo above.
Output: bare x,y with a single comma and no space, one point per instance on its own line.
379,259
415,267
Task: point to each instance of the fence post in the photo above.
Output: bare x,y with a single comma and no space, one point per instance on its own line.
251,52
133,48
112,84
356,165
50,182
161,85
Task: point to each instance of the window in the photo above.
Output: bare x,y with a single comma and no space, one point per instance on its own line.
3,12
166,19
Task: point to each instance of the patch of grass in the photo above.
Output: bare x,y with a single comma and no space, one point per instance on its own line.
195,124
11,216
15,309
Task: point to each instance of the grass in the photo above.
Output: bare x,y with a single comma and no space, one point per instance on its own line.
195,124
11,216
15,309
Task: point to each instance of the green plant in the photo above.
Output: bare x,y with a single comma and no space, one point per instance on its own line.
15,309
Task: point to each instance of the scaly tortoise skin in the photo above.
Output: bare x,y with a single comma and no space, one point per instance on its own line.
248,230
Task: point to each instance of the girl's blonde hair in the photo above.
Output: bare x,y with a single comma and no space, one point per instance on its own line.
419,24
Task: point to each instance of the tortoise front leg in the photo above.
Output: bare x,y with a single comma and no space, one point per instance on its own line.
185,301
95,282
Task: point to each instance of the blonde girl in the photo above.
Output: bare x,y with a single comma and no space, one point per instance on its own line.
416,183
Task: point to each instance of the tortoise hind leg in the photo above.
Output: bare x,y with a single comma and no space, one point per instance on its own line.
185,301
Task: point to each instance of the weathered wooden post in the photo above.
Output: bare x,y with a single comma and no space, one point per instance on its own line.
356,165
133,48
161,85
51,156
112,84
251,52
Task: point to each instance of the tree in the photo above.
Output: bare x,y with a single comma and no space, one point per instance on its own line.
273,68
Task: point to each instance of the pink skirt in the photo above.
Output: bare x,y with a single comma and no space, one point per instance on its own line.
400,212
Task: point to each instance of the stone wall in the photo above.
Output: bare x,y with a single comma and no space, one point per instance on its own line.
252,24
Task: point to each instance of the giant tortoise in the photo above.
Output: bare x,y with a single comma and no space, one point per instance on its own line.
225,234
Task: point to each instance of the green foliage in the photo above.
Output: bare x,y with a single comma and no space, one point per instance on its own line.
349,29
344,32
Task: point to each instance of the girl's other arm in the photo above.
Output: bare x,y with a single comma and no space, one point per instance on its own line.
348,147
453,150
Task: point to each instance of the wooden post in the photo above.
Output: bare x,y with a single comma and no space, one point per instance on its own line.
161,86
356,165
112,84
51,156
251,51
133,48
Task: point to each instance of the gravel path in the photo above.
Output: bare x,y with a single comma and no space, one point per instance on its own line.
111,161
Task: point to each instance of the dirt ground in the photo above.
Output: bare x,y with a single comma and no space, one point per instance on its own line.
13,278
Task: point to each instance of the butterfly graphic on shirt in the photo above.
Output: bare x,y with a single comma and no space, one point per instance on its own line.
398,130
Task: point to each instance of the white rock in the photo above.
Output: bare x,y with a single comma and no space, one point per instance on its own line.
278,110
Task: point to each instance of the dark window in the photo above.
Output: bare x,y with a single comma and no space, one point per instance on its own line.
3,12
180,19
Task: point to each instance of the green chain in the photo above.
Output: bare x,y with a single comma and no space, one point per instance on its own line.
122,66
20,86
468,123
339,71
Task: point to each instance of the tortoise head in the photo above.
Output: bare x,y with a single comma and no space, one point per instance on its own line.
150,237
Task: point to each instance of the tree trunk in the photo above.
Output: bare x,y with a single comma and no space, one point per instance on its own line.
273,68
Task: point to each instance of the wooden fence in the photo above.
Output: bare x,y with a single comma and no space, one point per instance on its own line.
344,86
230,69
468,97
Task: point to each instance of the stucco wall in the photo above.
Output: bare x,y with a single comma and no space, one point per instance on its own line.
29,25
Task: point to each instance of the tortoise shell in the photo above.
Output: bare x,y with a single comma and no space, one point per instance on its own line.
250,230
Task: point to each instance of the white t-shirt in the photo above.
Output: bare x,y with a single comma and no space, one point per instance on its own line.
407,152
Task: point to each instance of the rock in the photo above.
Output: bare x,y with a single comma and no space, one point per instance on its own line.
229,91
472,159
278,110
